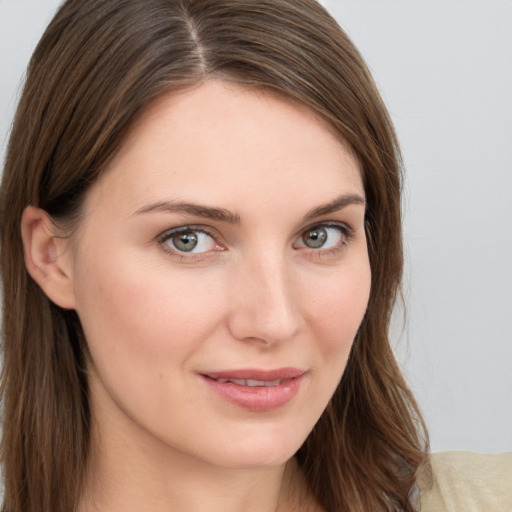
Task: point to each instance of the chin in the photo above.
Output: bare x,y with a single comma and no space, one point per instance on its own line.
258,449
248,450
250,460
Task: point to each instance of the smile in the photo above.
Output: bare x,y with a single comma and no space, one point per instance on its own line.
256,390
252,383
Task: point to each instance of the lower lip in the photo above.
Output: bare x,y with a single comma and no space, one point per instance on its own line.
257,398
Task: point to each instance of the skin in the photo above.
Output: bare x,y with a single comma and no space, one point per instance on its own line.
255,295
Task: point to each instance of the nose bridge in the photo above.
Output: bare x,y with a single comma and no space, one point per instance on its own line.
264,305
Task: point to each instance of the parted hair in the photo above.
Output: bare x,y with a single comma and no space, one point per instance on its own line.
97,66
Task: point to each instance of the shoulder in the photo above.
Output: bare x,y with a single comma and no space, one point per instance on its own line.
467,482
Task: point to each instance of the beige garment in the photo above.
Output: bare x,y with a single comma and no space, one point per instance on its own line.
467,482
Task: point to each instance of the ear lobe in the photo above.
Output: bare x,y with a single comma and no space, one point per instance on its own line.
46,257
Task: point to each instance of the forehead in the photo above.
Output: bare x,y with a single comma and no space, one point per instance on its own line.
221,141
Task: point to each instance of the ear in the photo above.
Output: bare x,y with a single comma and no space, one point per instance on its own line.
47,257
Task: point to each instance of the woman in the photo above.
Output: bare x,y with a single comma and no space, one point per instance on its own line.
209,201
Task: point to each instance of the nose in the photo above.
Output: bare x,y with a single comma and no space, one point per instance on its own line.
264,307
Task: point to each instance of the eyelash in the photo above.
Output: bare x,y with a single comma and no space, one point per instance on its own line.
182,255
346,236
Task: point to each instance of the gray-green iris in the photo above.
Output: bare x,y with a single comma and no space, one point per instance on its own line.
315,238
185,242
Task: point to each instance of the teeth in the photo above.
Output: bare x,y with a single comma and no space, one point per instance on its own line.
251,382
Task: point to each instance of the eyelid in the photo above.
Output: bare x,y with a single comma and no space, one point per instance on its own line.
169,233
347,235
165,235
342,226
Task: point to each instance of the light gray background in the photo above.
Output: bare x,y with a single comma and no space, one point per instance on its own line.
445,71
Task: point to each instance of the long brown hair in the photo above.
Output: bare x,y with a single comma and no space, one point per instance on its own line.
99,63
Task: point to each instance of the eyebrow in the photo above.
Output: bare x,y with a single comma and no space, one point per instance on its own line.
223,215
335,205
207,212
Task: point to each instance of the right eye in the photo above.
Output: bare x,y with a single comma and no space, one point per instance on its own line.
188,240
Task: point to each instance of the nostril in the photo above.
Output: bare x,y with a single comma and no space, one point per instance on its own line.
264,326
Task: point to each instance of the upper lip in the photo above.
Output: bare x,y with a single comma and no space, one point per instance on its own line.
257,374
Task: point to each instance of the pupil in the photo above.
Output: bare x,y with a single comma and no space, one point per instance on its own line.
315,238
185,241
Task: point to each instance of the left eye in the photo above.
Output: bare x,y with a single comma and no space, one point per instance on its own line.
321,237
189,241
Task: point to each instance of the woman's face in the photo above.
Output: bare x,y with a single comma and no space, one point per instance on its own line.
220,272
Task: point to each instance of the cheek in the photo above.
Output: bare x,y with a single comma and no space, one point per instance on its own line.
333,314
137,317
337,308
335,317
144,329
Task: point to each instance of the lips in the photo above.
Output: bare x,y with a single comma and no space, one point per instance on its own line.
251,382
256,390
